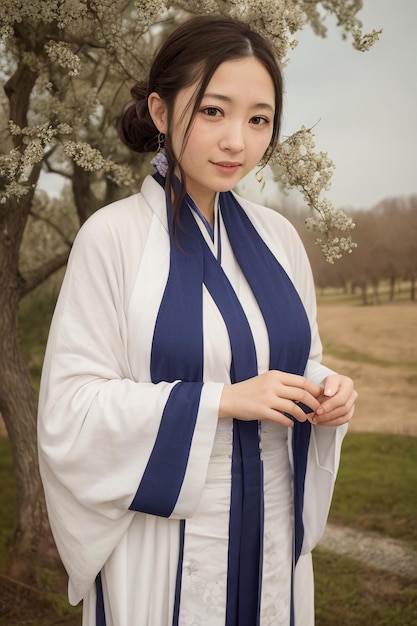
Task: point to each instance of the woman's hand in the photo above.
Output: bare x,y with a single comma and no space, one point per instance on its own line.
269,396
337,401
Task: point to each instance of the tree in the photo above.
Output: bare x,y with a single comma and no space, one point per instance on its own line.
387,250
65,68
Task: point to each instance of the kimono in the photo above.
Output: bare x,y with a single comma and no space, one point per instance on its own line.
156,517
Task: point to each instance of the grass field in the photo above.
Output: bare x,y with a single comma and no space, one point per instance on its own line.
377,482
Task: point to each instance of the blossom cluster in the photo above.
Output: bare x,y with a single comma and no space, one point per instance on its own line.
346,18
279,20
60,52
91,160
62,12
297,165
16,165
86,51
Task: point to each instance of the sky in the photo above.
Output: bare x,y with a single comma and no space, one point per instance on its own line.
363,105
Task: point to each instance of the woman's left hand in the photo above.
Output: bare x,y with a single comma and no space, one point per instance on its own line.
337,403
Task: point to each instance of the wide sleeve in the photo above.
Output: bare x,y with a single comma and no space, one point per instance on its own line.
108,443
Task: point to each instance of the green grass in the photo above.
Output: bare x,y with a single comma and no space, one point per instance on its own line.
377,485
348,593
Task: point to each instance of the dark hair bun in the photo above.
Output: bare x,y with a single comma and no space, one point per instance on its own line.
135,125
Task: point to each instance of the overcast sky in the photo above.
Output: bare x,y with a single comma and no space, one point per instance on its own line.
363,106
366,103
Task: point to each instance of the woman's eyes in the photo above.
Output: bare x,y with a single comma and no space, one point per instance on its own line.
212,111
257,120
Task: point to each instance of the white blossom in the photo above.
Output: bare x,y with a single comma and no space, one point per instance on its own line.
13,191
297,165
122,175
9,164
61,53
112,42
33,153
84,155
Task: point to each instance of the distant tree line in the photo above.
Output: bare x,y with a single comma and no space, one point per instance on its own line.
386,238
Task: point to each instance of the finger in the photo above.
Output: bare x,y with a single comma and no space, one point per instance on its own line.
305,400
340,414
294,381
280,418
297,409
331,386
341,400
339,421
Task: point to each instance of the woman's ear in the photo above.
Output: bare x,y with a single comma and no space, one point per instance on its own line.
158,110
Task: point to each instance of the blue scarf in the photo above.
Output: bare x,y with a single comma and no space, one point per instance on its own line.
177,354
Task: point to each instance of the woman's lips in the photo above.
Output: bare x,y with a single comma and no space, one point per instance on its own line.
226,167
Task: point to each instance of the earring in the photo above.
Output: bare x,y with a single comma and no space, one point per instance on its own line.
260,177
159,161
161,141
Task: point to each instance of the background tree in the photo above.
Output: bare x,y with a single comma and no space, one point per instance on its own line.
66,66
386,251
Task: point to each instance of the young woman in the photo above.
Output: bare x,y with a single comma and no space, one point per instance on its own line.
189,435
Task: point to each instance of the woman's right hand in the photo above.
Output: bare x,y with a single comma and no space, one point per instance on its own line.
269,396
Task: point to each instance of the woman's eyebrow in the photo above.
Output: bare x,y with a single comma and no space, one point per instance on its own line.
219,96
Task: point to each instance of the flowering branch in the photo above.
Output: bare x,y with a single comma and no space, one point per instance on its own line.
91,160
297,165
81,52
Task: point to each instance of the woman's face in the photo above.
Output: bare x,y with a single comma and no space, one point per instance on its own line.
230,132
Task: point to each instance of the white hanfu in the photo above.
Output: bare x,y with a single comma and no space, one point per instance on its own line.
99,415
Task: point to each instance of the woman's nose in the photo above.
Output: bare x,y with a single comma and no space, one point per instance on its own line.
233,138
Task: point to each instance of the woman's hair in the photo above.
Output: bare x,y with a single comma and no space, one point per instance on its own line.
191,55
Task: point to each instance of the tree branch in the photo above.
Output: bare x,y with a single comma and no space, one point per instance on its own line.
34,278
53,170
50,223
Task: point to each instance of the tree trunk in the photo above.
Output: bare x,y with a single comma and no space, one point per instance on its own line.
84,199
391,287
33,542
375,286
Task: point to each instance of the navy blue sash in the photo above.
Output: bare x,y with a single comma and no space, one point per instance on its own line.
177,354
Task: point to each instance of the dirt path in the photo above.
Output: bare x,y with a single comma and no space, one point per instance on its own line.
377,347
371,548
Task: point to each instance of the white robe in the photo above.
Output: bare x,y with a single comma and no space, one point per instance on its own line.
99,416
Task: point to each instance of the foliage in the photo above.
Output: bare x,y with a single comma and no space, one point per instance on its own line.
81,55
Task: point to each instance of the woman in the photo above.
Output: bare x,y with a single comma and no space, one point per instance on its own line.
189,436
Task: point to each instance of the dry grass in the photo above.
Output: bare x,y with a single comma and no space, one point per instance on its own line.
377,347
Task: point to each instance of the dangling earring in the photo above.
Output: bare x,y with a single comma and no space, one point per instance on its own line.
260,176
160,162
